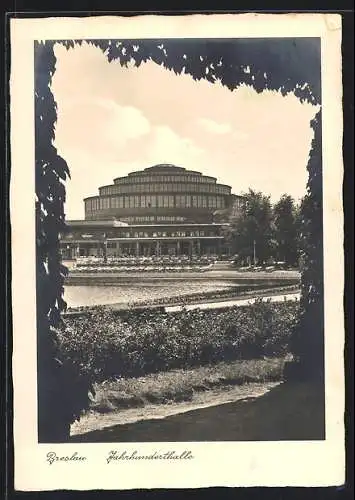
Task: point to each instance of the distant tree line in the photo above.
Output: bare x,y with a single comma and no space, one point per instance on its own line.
264,233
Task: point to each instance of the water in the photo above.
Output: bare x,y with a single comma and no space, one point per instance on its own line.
137,292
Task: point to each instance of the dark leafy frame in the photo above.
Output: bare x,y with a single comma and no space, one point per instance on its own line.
292,65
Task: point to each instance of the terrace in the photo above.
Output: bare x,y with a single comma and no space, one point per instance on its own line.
141,264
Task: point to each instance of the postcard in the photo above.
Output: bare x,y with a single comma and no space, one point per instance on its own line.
177,251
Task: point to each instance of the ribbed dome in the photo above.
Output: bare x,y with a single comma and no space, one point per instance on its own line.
164,166
160,193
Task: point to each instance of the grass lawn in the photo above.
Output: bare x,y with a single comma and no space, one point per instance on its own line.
291,411
179,385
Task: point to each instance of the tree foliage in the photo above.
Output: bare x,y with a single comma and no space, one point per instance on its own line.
308,339
286,229
288,65
253,229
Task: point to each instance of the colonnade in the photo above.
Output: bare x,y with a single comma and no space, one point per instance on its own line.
141,248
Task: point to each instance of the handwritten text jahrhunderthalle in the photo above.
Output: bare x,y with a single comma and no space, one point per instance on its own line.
115,455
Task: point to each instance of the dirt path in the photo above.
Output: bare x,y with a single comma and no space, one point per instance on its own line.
94,421
290,411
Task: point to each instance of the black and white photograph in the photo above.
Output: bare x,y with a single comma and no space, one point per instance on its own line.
179,242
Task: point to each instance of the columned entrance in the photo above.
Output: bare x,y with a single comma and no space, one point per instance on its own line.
141,247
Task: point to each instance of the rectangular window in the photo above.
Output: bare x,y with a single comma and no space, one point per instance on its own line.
194,201
153,201
211,202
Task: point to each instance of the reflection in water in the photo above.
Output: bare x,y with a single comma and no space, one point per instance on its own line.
98,295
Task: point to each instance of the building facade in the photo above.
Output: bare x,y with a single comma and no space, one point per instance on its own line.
161,210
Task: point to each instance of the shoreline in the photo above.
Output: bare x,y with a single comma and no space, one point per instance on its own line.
237,301
203,302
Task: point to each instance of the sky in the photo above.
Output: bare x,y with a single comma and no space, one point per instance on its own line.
113,120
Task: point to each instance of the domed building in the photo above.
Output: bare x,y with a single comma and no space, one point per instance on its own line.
162,209
163,193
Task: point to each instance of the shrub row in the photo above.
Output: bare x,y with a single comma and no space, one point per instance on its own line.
105,346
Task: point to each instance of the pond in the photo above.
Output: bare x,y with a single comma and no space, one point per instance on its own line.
138,291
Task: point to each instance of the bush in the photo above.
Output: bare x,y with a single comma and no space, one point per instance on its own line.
104,346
